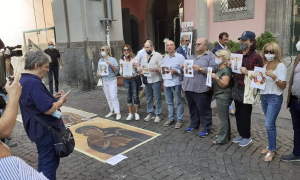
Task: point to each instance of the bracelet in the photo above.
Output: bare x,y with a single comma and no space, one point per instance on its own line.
8,63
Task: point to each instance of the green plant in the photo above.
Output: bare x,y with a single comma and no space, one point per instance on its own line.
263,39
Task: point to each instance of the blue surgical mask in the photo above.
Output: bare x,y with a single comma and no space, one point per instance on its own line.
51,47
57,114
218,61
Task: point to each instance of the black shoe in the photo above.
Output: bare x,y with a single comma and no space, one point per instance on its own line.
290,157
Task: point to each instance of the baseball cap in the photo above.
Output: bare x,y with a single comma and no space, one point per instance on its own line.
247,35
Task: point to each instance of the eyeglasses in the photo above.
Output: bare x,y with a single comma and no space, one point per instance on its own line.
187,40
271,52
50,44
124,50
197,44
102,49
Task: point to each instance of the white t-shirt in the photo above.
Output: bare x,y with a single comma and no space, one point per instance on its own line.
271,87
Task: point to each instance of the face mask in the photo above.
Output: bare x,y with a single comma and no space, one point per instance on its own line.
218,61
51,47
244,46
149,52
57,114
103,54
270,57
126,54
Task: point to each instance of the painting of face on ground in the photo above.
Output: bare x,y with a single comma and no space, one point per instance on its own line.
102,139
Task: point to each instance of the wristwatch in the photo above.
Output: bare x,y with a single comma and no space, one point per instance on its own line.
276,80
200,69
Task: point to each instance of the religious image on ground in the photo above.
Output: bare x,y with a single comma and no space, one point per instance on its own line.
102,139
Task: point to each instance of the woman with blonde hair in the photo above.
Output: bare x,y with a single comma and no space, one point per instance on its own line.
271,96
222,92
110,81
130,82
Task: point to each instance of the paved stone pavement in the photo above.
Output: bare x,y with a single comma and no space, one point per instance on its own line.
175,154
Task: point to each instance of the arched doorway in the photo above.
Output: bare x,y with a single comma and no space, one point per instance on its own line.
163,21
135,34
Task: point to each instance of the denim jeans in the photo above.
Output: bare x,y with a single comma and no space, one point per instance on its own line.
295,112
153,88
271,104
48,161
132,92
199,106
171,92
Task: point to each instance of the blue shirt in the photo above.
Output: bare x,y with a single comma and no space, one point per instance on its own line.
38,100
13,167
175,61
111,74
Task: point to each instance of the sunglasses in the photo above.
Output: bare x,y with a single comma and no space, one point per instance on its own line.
197,44
187,40
124,50
102,49
50,44
271,52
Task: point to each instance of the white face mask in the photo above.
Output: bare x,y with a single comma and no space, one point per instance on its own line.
218,61
270,57
103,54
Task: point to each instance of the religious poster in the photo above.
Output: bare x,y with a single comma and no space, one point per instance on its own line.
127,69
103,69
259,78
103,139
208,76
236,62
190,35
187,26
145,69
188,68
166,72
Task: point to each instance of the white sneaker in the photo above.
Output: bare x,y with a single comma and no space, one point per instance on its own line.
110,114
149,117
157,119
118,117
137,116
129,117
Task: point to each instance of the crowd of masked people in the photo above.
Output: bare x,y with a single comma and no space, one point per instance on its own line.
34,99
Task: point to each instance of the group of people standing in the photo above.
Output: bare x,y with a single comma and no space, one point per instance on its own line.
227,86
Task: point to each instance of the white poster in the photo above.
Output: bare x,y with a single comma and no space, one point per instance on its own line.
145,69
236,62
190,35
188,68
166,71
103,69
208,76
259,78
187,26
127,69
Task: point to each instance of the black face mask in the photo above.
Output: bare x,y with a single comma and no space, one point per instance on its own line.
149,52
1,44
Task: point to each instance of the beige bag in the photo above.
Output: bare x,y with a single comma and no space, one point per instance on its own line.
100,82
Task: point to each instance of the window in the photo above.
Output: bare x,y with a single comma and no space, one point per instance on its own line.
229,6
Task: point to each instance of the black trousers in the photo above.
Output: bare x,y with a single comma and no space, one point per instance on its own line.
53,70
243,118
295,112
200,109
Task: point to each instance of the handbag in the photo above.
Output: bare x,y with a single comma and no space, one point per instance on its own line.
138,80
237,91
63,142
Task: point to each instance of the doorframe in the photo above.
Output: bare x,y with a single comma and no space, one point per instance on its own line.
133,17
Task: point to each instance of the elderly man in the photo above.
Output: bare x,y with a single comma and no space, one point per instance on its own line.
183,48
197,93
56,63
173,86
153,86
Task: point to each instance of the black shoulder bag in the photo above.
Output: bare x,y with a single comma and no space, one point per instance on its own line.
237,91
145,81
64,142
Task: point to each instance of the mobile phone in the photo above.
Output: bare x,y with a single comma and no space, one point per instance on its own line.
9,77
68,92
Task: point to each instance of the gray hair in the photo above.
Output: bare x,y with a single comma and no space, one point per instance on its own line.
35,57
184,36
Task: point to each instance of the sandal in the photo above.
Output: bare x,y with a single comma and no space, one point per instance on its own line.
269,156
265,151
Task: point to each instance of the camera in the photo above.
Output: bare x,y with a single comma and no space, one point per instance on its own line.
13,52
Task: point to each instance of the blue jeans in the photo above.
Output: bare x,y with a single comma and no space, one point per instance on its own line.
153,88
48,161
271,104
171,92
295,112
132,92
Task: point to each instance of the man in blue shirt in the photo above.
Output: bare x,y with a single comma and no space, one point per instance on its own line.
172,87
183,48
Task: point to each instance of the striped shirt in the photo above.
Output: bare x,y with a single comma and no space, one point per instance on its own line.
12,168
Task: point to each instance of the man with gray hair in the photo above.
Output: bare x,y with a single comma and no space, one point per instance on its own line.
183,48
197,93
